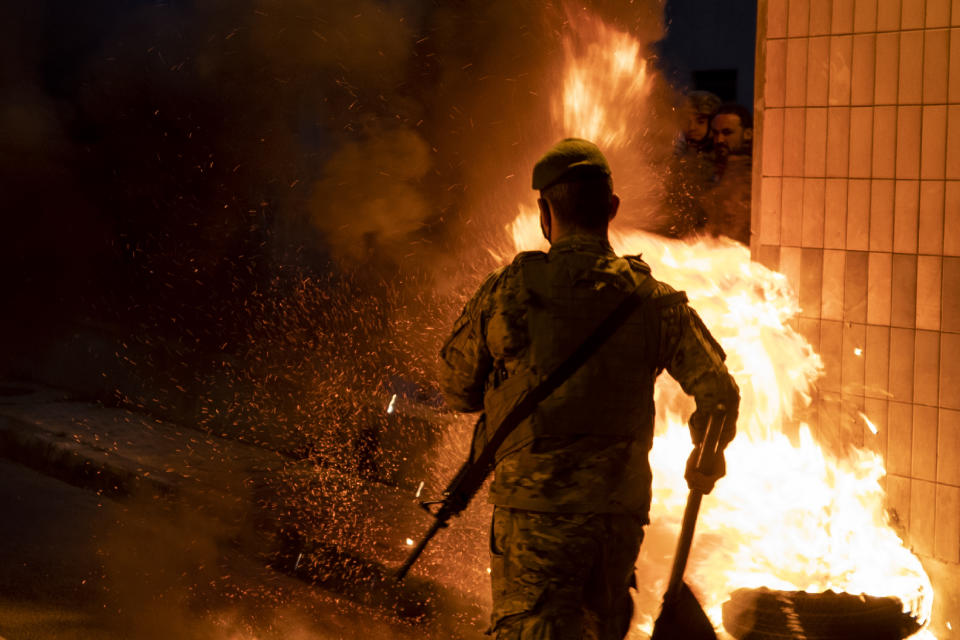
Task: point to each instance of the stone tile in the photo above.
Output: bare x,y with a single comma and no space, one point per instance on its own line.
855,286
841,58
815,143
775,73
930,230
769,256
902,343
953,142
881,215
831,350
928,292
950,295
842,21
795,91
835,216
888,58
955,13
864,61
776,18
903,298
821,12
861,138
926,368
772,143
899,443
864,15
888,15
938,13
876,358
811,281
852,371
933,145
922,516
951,219
884,142
818,71
911,67
770,189
909,121
791,214
946,544
879,280
798,18
948,448
790,266
793,145
905,216
831,307
953,83
923,460
936,53
858,215
810,329
912,14
949,371
813,213
838,133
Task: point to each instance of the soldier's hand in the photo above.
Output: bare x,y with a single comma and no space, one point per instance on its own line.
704,479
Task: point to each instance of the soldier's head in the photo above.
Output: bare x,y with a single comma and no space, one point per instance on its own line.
576,190
698,110
732,130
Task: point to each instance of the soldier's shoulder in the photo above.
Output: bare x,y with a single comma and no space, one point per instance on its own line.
640,267
638,264
528,257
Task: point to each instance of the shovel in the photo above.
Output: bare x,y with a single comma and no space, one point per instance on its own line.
681,616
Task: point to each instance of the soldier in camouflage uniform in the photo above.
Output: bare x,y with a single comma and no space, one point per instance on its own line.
572,483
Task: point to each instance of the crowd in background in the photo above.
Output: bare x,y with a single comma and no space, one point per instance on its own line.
708,184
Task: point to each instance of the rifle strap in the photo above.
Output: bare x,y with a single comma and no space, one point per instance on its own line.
529,401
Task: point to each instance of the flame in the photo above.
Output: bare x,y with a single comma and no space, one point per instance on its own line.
789,515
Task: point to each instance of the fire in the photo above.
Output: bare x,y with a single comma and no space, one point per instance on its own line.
789,515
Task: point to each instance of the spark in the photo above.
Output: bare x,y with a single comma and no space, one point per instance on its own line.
858,351
870,425
392,406
419,489
296,564
409,542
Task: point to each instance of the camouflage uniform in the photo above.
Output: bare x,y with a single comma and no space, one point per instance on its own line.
572,483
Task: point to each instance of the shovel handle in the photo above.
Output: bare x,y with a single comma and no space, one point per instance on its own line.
707,450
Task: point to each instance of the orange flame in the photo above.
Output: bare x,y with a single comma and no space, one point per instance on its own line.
789,515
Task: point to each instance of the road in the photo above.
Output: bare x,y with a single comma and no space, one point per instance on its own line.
77,565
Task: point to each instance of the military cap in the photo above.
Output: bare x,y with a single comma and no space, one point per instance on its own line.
568,160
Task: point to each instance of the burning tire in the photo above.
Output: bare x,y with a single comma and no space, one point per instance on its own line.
764,614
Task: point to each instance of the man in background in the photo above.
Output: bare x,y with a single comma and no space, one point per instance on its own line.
726,205
691,170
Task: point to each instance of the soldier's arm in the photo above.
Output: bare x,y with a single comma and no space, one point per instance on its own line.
465,361
695,359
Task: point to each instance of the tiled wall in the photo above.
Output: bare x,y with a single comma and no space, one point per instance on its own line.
857,201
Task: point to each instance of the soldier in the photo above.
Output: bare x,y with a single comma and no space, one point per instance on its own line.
726,205
572,484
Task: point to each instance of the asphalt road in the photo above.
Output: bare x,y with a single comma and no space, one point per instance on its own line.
76,565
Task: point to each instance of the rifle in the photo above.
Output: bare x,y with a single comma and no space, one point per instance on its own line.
471,475
458,494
